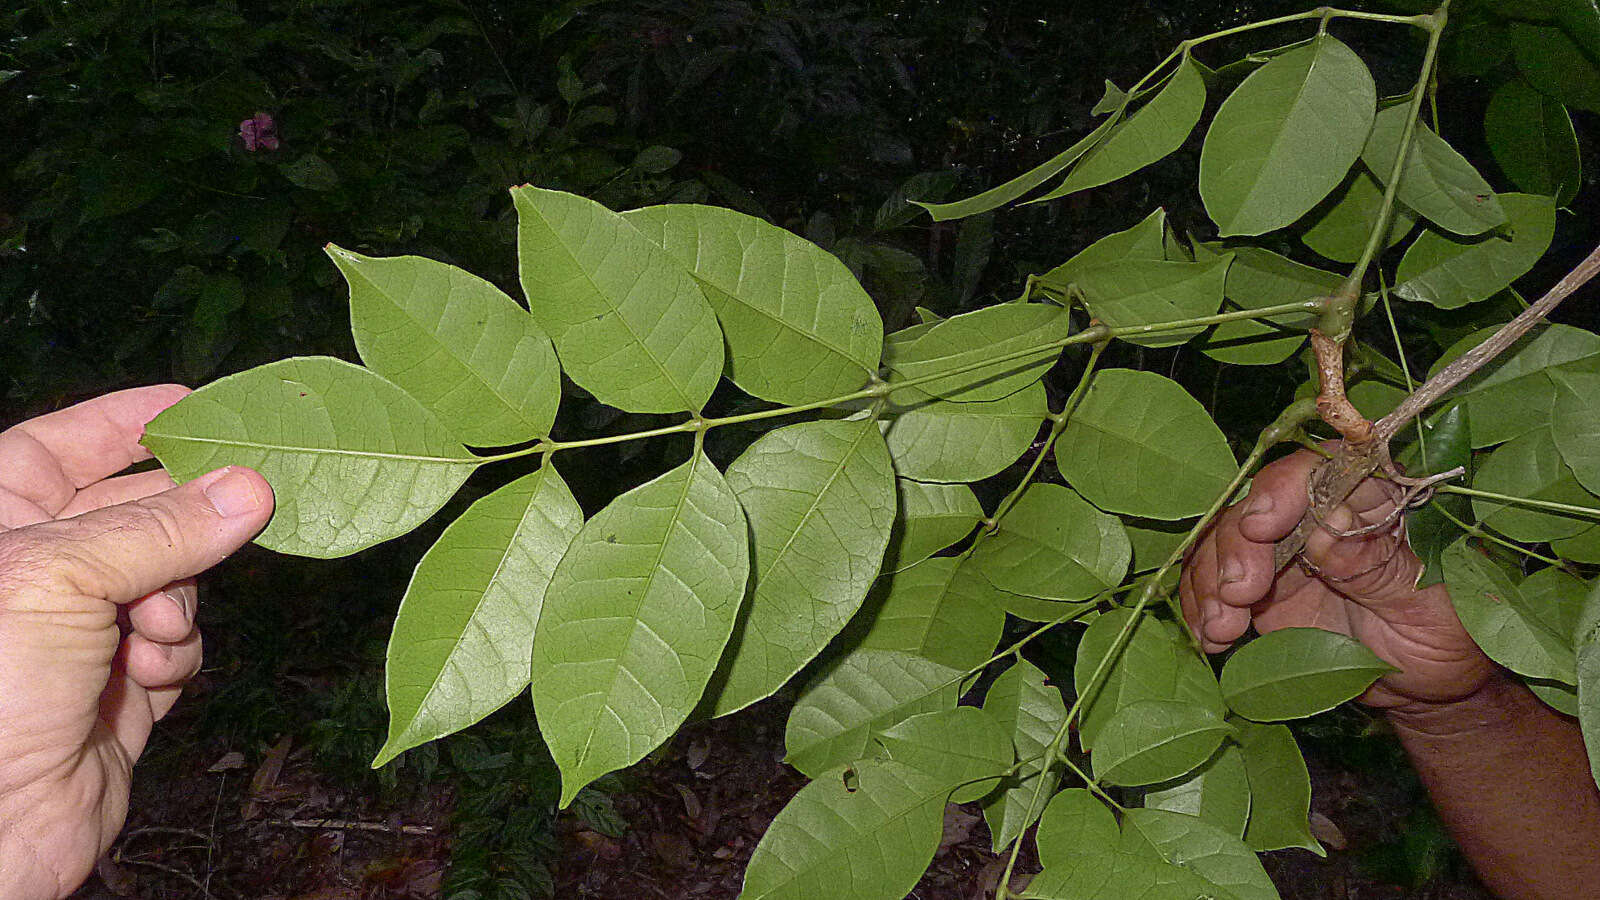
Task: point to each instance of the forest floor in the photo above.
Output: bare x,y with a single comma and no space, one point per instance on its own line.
204,825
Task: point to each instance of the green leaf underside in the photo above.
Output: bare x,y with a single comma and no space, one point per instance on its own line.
1144,241
929,611
634,619
1145,292
462,639
1000,195
1297,672
1531,137
1153,542
821,501
1339,228
963,748
1158,855
1530,466
1286,137
799,327
857,697
468,352
1438,183
973,337
629,324
1052,544
1031,710
1155,663
1149,741
1148,135
1575,426
930,518
1501,620
1589,702
1450,273
352,459
1204,849
864,831
947,441
1280,788
1218,791
1259,278
1140,444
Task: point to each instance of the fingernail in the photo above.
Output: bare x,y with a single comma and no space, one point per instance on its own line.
1259,506
1229,573
232,494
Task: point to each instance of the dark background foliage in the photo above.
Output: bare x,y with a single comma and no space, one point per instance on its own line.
142,240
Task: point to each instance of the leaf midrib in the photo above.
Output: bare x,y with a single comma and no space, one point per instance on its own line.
322,451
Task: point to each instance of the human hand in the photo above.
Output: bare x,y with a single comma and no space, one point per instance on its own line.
97,636
1364,588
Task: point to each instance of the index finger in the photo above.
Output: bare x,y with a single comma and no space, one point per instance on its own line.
1278,498
47,458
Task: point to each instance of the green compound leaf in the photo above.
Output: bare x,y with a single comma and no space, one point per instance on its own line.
1218,791
1259,278
473,357
1438,183
976,336
464,634
1575,424
963,748
630,325
1206,850
1145,292
858,697
1139,444
1031,710
799,327
1531,137
929,611
1341,224
1144,241
946,441
1297,672
352,459
866,831
1156,740
1156,663
1555,65
1286,137
821,501
1280,788
1000,195
634,619
1055,546
930,518
1450,273
1531,467
1501,620
1148,135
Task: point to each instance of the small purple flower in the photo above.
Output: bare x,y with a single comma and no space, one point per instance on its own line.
259,132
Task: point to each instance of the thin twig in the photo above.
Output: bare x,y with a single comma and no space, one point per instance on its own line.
1474,359
348,825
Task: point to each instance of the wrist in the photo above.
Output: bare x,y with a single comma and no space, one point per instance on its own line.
1497,701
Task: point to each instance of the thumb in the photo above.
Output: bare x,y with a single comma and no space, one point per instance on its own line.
121,553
